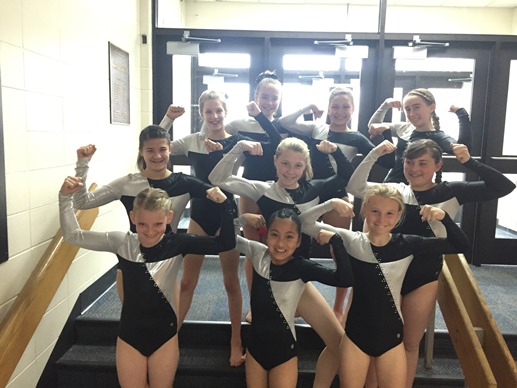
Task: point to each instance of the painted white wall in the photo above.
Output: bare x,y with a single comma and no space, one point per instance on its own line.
235,15
55,94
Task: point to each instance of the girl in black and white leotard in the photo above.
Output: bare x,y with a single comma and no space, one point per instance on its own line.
423,123
295,190
204,150
336,130
147,345
423,159
279,279
374,326
153,156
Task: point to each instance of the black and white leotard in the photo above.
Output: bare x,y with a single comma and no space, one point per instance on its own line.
448,196
406,133
180,187
275,292
148,317
270,197
374,322
351,143
259,129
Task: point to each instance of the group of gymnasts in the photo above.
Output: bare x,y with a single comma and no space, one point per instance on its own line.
294,187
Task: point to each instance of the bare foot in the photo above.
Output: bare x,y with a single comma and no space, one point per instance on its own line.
248,317
236,356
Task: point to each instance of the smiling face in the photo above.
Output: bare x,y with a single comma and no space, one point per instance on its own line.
420,171
340,110
290,167
156,154
282,240
381,214
150,225
418,112
213,113
268,99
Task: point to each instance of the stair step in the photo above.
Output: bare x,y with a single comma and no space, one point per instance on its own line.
87,366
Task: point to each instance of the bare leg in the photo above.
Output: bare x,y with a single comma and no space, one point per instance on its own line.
191,268
163,364
318,314
131,366
256,376
417,307
390,368
119,282
230,268
353,364
334,219
284,375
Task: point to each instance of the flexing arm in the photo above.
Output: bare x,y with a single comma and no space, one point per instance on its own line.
456,241
465,130
358,183
173,112
310,216
493,184
72,233
103,195
267,126
291,123
222,174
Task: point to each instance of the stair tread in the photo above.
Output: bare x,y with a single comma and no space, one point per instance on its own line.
215,359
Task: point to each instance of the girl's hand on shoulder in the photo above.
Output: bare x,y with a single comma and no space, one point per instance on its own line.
174,111
431,213
343,208
216,195
461,152
86,151
254,220
393,103
385,147
326,147
377,129
316,111
212,146
71,185
253,109
253,147
324,236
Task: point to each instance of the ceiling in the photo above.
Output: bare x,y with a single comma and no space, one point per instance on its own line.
413,3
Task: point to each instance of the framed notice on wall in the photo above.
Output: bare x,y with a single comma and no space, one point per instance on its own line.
119,85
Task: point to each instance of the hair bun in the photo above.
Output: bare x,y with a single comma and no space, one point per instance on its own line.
266,74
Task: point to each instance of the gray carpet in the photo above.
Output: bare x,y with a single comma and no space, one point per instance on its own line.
497,283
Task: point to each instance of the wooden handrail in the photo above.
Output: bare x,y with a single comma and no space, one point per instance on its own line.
465,311
23,318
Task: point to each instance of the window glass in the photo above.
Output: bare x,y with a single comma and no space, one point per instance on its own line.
510,134
506,220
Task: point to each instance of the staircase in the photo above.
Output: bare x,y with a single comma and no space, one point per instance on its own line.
204,350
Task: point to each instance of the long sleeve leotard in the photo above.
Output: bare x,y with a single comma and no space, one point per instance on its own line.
406,133
148,318
275,292
270,197
258,129
448,196
374,321
180,187
351,143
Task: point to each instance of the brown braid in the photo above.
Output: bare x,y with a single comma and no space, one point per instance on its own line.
429,99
